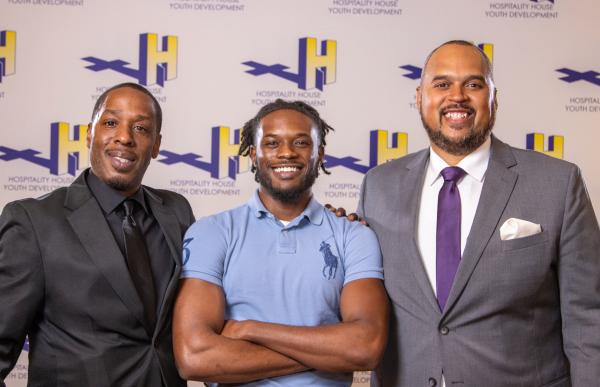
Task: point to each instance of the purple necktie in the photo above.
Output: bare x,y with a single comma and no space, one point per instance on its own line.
448,233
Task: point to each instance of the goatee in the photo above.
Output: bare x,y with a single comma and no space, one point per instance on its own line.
470,142
290,195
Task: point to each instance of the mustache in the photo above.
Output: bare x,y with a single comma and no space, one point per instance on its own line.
462,106
284,164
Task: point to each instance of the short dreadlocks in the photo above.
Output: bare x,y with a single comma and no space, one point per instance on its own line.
249,129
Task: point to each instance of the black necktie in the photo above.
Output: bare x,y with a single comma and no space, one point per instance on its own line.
138,261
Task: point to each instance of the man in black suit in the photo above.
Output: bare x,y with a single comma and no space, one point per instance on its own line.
90,271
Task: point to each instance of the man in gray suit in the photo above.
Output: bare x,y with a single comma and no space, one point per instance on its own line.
90,271
491,254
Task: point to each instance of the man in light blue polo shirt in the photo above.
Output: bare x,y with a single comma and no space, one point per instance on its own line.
280,291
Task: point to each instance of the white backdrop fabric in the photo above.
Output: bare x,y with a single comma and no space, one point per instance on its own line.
213,63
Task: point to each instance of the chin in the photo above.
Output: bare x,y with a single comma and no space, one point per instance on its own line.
120,183
288,193
462,144
291,195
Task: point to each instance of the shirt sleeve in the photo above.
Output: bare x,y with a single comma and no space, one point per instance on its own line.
204,251
362,256
579,283
21,283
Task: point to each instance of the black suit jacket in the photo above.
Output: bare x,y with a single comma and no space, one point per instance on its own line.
64,282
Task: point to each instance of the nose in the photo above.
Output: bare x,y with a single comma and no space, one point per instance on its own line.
457,93
286,151
124,134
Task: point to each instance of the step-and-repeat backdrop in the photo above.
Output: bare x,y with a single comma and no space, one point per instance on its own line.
213,63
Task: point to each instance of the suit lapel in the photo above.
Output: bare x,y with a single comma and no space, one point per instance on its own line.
499,183
172,231
410,196
89,224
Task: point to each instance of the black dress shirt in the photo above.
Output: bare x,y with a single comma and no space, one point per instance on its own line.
161,261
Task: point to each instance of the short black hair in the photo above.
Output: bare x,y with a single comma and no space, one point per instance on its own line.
249,130
459,42
135,86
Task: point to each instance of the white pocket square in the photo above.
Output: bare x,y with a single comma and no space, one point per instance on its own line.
515,228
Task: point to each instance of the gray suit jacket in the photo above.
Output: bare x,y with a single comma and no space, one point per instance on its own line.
65,283
522,312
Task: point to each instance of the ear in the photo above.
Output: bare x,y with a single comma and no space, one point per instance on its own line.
418,97
321,153
253,155
156,146
495,100
88,136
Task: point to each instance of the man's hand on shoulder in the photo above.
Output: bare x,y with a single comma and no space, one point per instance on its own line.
340,212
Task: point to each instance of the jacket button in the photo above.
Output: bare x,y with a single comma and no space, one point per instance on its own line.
432,382
444,331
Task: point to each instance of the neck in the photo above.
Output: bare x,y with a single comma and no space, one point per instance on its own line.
450,159
284,210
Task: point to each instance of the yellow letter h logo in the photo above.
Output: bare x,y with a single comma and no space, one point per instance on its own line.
315,70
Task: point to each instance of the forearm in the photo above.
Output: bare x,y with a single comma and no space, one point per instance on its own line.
355,343
341,347
203,352
224,360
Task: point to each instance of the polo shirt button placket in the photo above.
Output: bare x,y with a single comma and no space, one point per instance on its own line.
287,241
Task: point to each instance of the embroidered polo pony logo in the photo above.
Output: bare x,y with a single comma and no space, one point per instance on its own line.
186,250
331,261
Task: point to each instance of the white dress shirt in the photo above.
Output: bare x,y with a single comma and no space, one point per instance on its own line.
475,165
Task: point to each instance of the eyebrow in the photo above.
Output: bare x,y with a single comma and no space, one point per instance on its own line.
112,111
139,117
468,78
279,135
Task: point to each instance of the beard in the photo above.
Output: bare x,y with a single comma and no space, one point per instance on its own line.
463,146
120,184
290,195
126,182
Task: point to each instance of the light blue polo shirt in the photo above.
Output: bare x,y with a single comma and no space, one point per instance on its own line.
290,274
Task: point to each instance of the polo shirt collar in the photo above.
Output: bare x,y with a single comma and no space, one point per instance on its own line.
313,211
474,164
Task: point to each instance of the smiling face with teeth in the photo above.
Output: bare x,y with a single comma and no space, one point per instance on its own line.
456,100
122,138
287,156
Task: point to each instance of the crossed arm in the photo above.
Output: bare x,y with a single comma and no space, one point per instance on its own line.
210,349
